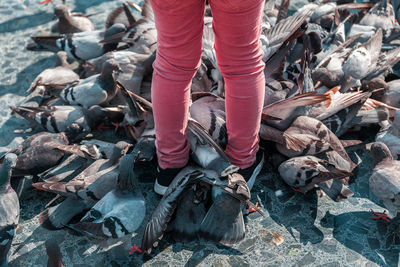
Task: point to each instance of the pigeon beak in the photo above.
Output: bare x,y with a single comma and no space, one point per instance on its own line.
119,70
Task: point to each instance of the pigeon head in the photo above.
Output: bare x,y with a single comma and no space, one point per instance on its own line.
113,65
61,11
109,67
9,162
121,148
380,152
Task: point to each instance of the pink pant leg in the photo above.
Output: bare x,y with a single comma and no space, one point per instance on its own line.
179,26
237,27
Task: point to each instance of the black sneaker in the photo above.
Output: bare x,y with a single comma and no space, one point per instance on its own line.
164,178
250,173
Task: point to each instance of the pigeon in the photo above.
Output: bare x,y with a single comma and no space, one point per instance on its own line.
9,208
306,136
83,191
71,22
119,212
35,155
137,115
391,96
306,172
363,58
134,66
56,217
70,167
92,183
206,152
191,211
226,225
79,46
60,75
283,32
216,225
282,113
209,111
94,90
389,134
142,38
380,16
384,181
72,119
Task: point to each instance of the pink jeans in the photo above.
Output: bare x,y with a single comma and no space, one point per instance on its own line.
237,27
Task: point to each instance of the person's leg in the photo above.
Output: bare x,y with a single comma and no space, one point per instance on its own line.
179,26
237,27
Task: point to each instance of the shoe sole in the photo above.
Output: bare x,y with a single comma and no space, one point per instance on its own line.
160,189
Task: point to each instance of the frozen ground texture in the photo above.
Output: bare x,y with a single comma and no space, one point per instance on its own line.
298,230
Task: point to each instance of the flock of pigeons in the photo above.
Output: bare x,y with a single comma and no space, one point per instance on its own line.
328,71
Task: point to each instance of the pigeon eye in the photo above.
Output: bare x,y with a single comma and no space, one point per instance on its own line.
393,199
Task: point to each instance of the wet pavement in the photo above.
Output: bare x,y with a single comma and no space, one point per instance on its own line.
298,230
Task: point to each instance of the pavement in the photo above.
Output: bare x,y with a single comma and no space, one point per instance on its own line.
298,230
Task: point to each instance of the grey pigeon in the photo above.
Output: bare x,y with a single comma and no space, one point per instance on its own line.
209,111
94,182
70,166
71,22
94,90
118,213
206,152
60,75
384,181
389,134
307,172
222,223
380,16
391,95
74,119
35,155
133,66
9,208
282,113
83,191
191,211
81,45
306,136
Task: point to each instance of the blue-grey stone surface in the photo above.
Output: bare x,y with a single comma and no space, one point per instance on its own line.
299,230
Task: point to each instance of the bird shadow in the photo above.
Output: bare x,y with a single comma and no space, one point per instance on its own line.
293,210
378,241
25,22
